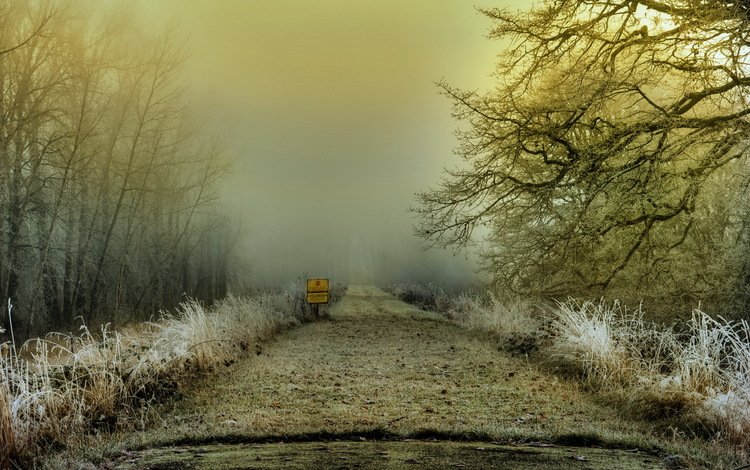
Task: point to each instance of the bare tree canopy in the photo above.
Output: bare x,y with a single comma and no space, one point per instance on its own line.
613,128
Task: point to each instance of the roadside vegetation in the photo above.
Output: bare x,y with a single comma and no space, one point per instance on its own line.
54,391
690,378
696,375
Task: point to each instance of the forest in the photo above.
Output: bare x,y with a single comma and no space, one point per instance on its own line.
106,187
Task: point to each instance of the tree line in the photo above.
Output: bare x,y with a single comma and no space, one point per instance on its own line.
612,157
106,189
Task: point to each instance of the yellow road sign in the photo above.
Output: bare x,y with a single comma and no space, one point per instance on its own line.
317,285
317,291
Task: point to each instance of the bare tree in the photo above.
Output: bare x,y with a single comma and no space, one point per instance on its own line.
105,187
32,75
589,159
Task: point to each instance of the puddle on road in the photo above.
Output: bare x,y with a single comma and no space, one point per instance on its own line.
383,455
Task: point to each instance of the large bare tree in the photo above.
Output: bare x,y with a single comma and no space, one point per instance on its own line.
589,161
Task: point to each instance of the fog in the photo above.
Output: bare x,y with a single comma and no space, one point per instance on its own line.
330,114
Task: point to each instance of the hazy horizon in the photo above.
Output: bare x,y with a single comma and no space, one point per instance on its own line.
332,118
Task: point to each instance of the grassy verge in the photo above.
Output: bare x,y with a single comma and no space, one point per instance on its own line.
692,380
56,390
697,379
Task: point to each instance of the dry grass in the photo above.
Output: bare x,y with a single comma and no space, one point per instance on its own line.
515,322
70,385
605,340
8,446
502,317
700,373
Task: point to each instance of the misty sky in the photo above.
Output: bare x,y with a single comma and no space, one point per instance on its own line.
330,112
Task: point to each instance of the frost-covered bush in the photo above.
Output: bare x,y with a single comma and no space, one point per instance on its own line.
703,369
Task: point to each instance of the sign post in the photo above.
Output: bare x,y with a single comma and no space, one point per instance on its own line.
317,293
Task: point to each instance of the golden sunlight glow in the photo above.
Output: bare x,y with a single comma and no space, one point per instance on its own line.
330,104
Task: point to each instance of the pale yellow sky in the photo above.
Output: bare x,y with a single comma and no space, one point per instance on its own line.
330,111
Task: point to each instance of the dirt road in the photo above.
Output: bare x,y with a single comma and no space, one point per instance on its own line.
383,385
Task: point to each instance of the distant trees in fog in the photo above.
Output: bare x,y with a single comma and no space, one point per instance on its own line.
104,184
612,156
